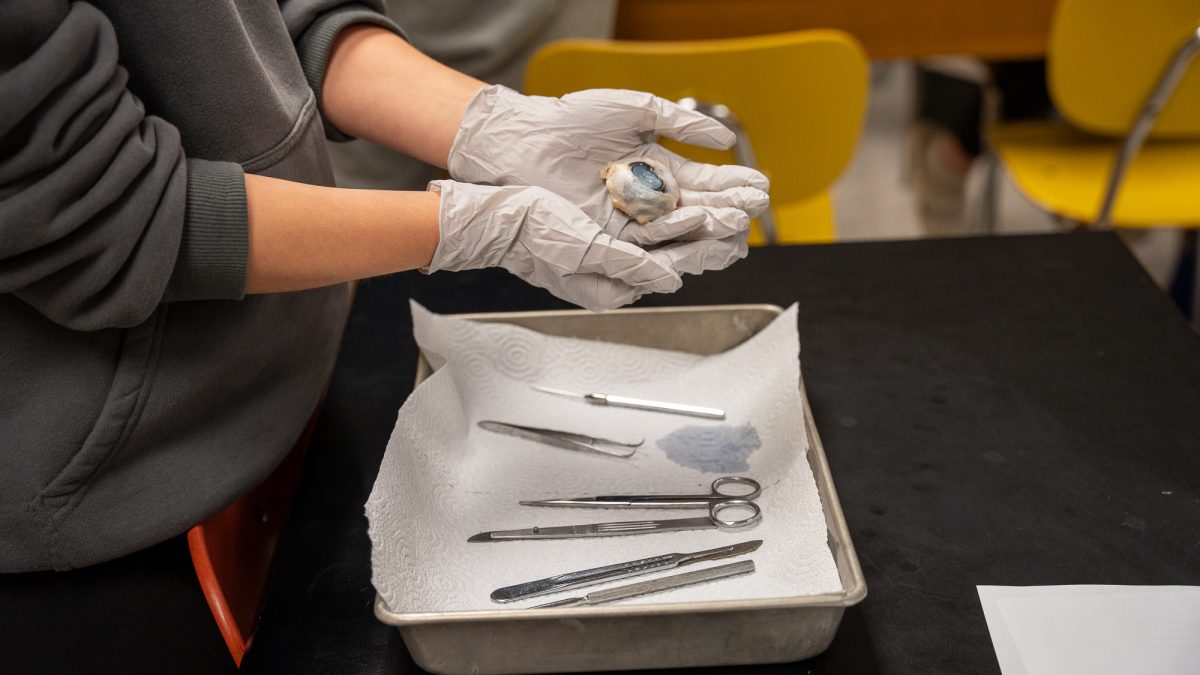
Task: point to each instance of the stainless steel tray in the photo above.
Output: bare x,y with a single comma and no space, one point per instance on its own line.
669,635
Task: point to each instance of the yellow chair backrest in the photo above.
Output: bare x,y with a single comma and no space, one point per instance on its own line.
1105,56
800,97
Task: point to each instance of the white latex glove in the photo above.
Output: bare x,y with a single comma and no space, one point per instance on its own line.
547,241
561,144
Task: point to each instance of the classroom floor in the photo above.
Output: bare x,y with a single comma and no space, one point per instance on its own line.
873,201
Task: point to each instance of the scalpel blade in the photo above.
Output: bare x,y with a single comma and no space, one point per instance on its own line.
596,575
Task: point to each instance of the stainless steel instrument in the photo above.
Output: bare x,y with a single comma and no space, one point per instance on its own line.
596,398
656,585
564,439
716,502
596,575
661,501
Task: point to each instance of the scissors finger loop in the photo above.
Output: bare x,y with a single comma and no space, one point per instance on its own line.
755,488
715,510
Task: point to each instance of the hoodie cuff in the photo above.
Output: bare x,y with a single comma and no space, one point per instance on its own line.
315,45
215,243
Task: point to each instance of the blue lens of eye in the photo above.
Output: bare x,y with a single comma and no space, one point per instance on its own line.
646,176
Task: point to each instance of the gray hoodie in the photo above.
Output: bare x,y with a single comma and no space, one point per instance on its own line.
139,390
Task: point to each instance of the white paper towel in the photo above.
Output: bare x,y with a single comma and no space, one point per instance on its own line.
444,479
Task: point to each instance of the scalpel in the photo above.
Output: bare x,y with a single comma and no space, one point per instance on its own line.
597,575
655,585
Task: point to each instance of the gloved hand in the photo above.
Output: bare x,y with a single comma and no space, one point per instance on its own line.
547,241
561,144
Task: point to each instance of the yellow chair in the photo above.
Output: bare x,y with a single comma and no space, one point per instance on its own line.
796,101
1128,153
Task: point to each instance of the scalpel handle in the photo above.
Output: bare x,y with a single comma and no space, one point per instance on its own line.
669,583
596,575
656,406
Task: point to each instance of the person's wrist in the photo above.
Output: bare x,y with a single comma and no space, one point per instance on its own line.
432,226
437,258
470,236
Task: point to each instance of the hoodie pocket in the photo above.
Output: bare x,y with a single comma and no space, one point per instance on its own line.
122,407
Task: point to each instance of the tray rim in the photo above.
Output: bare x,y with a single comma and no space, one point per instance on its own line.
851,595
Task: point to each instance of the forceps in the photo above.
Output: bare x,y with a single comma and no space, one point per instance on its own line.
564,439
716,502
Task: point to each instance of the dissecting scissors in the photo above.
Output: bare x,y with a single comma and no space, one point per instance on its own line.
661,501
715,502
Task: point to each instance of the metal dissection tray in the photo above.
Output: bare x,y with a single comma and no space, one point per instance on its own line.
644,636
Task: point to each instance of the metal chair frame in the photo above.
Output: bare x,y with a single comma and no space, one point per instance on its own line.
1155,102
743,153
1147,116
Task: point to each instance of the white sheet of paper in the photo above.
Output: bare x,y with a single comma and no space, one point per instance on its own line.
1093,630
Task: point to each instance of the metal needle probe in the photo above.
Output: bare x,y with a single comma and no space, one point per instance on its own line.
596,398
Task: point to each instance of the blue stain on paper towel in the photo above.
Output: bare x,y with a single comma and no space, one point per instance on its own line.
712,449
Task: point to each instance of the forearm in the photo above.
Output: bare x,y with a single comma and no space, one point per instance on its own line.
379,87
307,236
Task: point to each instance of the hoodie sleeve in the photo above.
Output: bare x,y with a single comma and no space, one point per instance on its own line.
101,216
315,24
